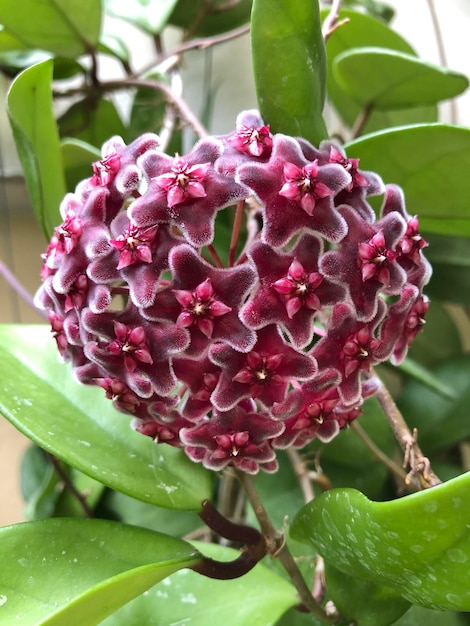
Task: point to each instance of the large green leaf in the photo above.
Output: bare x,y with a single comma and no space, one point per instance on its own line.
205,19
62,572
418,545
450,259
289,66
257,598
440,421
78,157
67,28
387,79
431,163
91,121
37,141
365,602
80,426
149,15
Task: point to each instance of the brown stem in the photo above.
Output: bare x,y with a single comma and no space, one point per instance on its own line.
65,478
277,547
303,474
413,457
361,121
215,257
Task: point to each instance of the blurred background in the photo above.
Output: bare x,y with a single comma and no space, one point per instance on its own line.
226,69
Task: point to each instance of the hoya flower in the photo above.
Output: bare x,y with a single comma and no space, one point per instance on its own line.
232,354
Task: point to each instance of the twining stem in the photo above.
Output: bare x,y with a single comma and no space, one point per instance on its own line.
277,547
237,224
413,457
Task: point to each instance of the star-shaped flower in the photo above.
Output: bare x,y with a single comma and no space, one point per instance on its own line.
291,289
296,194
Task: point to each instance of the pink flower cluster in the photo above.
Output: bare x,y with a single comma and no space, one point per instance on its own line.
270,349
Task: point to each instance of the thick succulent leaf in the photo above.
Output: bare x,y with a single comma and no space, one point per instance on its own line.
69,571
418,545
259,597
440,421
78,157
450,259
205,19
431,163
365,602
289,66
387,79
417,616
37,141
81,427
66,28
149,15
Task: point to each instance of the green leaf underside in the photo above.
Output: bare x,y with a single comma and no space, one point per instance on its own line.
441,422
258,598
289,66
68,571
363,601
431,163
387,79
66,28
80,426
418,545
37,141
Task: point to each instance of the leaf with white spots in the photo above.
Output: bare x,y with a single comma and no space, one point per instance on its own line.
418,545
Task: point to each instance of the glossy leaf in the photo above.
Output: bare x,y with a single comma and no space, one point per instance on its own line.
417,616
387,79
204,19
430,162
440,421
35,132
149,15
259,597
70,571
78,157
365,30
364,602
440,339
450,258
66,28
80,426
425,561
289,66
93,122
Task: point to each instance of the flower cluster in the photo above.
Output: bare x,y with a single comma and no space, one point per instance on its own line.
231,360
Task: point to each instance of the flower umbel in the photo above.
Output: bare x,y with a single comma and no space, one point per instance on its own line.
232,360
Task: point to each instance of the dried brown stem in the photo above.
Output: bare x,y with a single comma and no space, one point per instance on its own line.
413,457
277,547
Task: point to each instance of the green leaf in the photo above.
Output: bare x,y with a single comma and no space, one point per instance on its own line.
122,508
148,109
91,490
440,421
259,597
418,545
450,259
417,616
66,28
78,157
91,121
365,602
289,66
430,162
39,484
440,339
206,19
80,426
149,15
36,137
62,572
387,79
426,377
